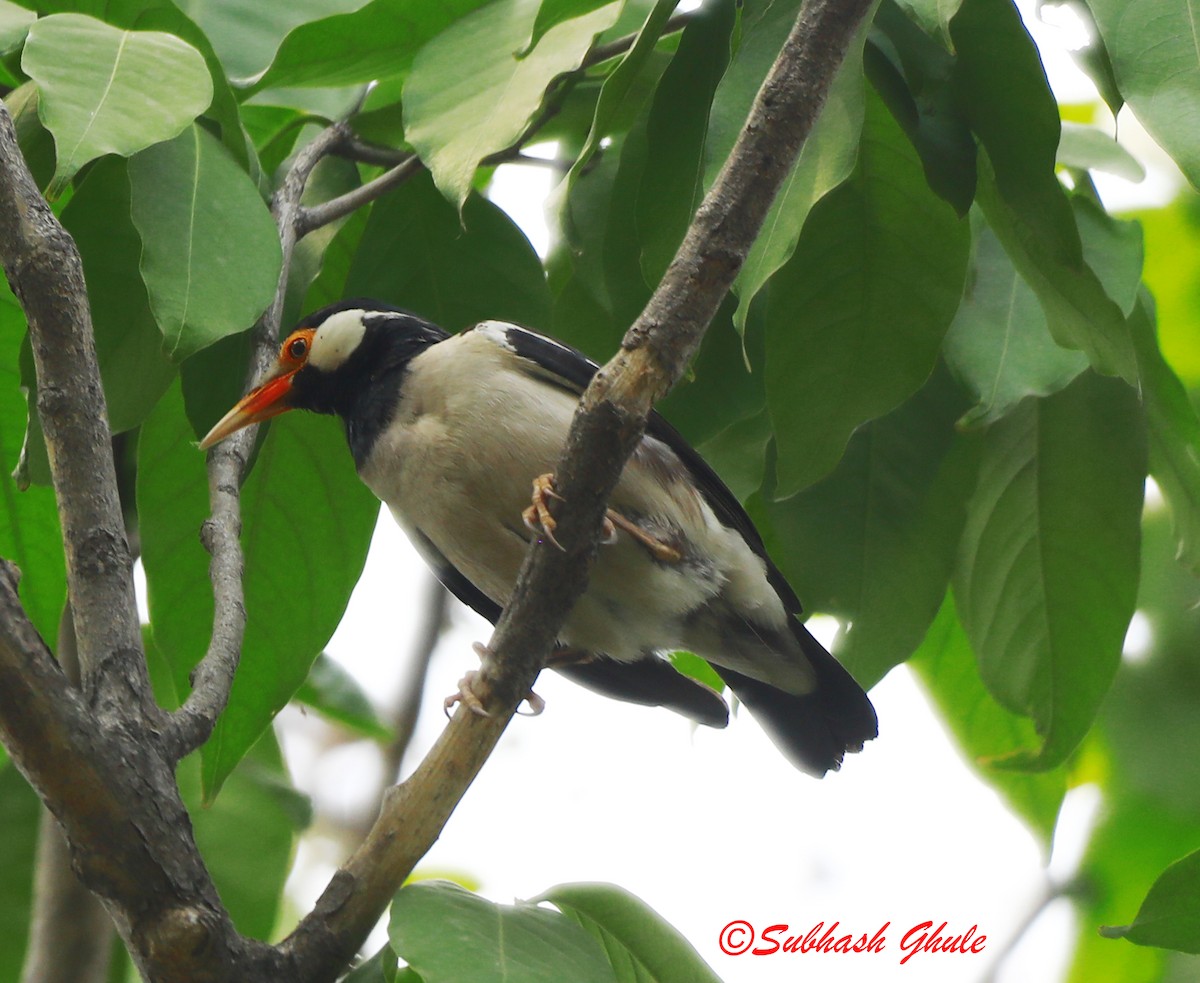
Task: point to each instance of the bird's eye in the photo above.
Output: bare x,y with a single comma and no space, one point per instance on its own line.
297,348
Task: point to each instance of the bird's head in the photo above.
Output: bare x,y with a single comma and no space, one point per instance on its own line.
331,361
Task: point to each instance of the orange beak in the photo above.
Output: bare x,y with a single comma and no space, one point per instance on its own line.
261,403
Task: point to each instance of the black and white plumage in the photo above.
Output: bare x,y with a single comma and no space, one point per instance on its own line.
449,432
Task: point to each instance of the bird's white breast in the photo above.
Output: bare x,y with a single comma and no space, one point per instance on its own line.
472,431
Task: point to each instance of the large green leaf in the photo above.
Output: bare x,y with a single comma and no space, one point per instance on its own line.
133,367
1079,313
999,345
856,317
190,201
1005,95
334,693
416,253
641,945
1170,916
1048,567
553,12
247,33
29,531
447,934
377,40
826,159
307,521
672,182
1172,239
983,728
19,815
874,541
470,95
1155,56
107,91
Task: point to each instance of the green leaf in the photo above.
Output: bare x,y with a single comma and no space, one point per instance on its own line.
640,944
1090,148
29,531
1174,435
1005,95
107,91
554,12
378,40
1079,313
999,345
20,812
886,523
334,693
14,25
133,367
1047,574
307,522
934,16
983,729
826,159
416,252
247,33
672,182
1134,839
190,201
1156,62
1170,916
622,95
448,935
380,968
470,95
882,250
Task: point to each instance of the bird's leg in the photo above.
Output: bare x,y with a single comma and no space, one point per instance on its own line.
664,552
568,657
537,517
468,697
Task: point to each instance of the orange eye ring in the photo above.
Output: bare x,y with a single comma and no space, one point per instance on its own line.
295,350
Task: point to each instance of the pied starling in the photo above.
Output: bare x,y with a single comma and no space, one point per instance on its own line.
451,431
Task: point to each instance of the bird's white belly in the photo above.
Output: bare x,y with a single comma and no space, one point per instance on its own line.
457,467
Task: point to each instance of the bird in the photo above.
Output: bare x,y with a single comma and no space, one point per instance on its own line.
458,435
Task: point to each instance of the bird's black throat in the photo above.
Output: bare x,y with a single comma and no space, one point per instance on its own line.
365,389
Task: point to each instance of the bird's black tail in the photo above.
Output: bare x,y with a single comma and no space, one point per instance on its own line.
814,731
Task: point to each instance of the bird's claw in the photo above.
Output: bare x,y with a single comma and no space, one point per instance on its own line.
467,696
663,552
537,517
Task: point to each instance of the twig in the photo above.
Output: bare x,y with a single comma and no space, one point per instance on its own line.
191,725
316,216
43,266
1050,893
604,52
606,428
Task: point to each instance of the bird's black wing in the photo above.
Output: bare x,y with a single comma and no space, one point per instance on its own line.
650,681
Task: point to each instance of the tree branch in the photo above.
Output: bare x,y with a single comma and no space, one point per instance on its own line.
606,429
44,269
70,934
191,725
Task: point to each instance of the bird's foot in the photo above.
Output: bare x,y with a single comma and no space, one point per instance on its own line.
561,657
468,696
537,517
664,552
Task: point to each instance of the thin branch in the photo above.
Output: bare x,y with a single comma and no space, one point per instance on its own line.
605,431
44,269
341,206
604,52
191,725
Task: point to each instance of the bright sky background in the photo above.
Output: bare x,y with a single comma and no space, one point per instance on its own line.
710,826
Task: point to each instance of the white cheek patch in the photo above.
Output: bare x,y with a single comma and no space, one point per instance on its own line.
336,339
